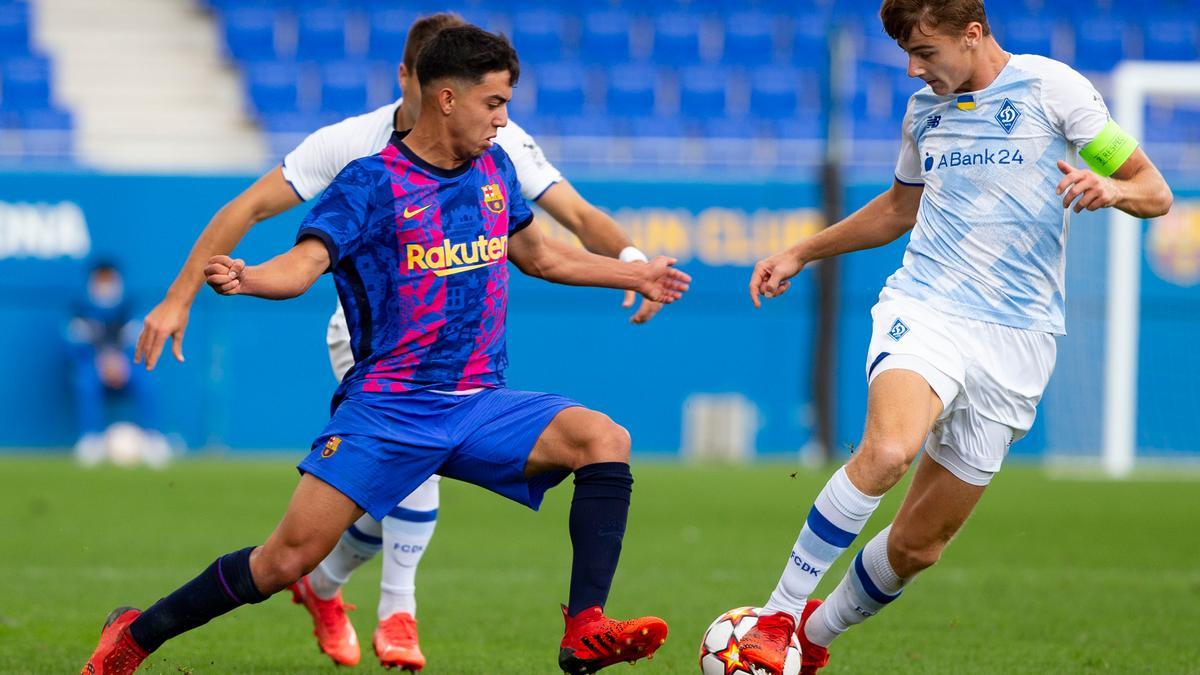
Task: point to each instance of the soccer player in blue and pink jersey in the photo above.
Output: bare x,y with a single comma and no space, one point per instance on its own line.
418,238
963,339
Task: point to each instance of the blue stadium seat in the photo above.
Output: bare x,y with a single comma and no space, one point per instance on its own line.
560,89
1170,38
538,36
773,93
585,125
53,119
632,90
321,34
729,127
749,39
1027,36
296,123
810,35
703,92
1099,43
657,127
250,33
273,87
14,30
25,84
605,37
387,34
344,87
676,39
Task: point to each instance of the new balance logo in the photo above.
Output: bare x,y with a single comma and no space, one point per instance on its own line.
452,258
933,121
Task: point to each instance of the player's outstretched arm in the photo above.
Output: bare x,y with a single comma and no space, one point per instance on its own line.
554,261
883,220
1137,188
284,276
598,233
268,196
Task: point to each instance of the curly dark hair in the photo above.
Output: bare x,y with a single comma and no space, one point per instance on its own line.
466,53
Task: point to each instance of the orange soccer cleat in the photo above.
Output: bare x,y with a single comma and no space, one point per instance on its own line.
335,634
593,641
117,653
396,643
765,647
813,657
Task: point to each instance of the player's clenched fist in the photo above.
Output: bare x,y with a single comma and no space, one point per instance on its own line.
770,275
661,281
224,274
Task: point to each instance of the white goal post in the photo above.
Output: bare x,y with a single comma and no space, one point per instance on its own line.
1132,82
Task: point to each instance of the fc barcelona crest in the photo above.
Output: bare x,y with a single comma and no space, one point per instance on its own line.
493,198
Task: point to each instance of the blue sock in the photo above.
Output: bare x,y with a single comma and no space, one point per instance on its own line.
597,524
224,586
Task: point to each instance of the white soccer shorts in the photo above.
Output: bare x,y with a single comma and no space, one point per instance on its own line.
989,377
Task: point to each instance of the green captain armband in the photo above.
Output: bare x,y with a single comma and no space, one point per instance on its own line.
1109,150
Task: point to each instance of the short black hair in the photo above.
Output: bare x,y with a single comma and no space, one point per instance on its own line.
466,53
422,30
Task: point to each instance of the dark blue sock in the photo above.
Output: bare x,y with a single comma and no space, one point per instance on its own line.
598,514
225,585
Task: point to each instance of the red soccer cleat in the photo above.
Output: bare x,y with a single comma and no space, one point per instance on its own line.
335,634
813,657
593,641
117,653
765,647
396,643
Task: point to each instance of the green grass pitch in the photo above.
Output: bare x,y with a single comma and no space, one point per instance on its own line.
1047,577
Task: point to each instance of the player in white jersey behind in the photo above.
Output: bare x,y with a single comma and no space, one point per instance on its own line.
963,338
304,174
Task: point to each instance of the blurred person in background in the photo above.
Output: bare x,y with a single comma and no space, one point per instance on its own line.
100,339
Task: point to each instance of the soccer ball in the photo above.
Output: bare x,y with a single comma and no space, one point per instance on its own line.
124,443
719,651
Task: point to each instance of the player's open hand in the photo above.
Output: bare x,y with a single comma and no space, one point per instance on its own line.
661,282
224,274
1092,190
645,312
168,320
770,276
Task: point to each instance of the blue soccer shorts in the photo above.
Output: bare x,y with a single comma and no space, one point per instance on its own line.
377,448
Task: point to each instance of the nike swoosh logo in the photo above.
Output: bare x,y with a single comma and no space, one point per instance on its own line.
409,213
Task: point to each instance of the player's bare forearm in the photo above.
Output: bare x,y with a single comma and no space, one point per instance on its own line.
1145,194
285,276
268,196
561,263
1136,187
881,221
595,229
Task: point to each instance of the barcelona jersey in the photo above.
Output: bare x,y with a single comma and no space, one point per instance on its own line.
419,256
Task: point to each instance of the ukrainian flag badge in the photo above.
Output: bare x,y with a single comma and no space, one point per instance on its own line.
966,102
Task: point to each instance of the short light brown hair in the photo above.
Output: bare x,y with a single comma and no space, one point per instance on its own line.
422,30
900,17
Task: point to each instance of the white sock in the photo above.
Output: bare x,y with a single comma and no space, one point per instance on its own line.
406,534
358,544
869,585
838,515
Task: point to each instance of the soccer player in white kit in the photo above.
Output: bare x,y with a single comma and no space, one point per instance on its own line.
963,338
304,174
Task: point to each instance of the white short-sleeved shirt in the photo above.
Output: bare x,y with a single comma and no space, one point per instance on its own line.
313,164
991,233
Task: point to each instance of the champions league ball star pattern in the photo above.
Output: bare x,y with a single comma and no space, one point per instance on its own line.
720,650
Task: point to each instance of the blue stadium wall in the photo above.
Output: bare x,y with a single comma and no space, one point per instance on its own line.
257,374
